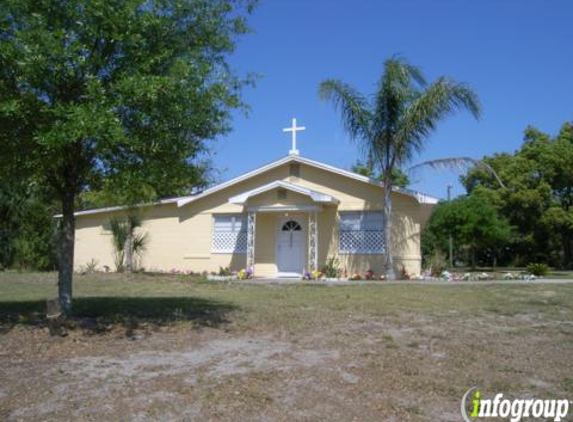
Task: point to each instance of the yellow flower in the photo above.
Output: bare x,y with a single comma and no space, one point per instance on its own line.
317,274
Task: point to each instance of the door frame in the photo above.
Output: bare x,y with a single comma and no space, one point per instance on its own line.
281,221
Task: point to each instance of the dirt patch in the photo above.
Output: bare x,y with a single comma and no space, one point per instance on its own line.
358,370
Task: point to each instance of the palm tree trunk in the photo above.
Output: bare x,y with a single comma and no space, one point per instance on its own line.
370,162
387,217
66,269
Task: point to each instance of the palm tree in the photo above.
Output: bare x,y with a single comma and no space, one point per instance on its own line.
393,126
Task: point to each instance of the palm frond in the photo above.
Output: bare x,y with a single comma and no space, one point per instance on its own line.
394,89
353,107
439,100
119,231
122,229
140,241
398,86
134,221
397,69
456,164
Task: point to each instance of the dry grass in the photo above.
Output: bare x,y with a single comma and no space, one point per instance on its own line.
171,348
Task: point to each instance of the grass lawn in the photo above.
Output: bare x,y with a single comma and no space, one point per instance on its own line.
171,348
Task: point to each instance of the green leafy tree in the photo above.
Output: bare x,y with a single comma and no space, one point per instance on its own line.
393,127
399,178
537,196
114,96
475,225
27,229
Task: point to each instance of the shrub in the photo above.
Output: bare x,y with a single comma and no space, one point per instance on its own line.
128,244
224,271
332,268
89,268
538,269
437,263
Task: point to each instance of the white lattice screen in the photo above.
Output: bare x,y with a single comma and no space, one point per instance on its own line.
362,241
361,232
312,242
229,242
229,234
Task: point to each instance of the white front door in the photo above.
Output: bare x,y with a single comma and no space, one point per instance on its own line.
290,248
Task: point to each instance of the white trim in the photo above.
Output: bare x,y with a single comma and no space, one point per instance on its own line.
289,275
314,195
312,242
420,197
216,188
285,208
251,240
125,207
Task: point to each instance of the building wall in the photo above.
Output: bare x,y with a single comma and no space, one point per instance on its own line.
180,238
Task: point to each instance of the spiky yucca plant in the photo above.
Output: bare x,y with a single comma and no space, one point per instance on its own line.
127,242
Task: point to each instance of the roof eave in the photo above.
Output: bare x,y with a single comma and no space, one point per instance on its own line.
316,196
123,207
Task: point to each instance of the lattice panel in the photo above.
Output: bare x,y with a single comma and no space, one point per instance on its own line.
312,242
362,241
229,242
250,242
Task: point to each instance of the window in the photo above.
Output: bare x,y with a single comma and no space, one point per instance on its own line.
361,232
291,226
229,234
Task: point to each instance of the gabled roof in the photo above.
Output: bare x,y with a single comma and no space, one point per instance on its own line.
420,197
314,195
183,200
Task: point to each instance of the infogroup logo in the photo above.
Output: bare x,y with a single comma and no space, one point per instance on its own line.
475,406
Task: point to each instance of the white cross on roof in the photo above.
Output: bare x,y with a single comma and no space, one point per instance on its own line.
294,129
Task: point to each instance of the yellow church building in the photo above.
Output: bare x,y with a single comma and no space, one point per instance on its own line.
279,220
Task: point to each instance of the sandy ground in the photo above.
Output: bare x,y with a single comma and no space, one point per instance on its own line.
400,367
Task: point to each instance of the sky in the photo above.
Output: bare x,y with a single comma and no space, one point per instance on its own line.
517,55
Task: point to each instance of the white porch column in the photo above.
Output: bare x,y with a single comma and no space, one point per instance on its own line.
251,227
312,241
